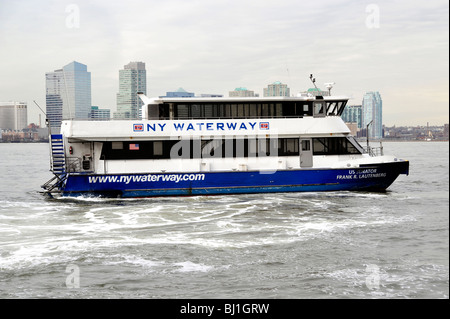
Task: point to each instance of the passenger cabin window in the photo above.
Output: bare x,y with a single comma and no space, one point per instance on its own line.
225,148
158,148
334,146
117,145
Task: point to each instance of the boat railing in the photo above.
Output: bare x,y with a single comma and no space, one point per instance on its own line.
374,151
73,164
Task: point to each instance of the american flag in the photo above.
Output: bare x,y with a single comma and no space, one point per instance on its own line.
134,147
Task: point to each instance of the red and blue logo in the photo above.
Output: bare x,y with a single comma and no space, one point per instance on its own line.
138,127
263,125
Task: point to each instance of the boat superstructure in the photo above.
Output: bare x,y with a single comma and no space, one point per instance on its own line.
200,146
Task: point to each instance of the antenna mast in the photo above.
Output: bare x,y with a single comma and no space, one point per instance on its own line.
313,80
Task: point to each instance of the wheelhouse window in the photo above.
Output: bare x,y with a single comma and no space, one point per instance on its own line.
319,108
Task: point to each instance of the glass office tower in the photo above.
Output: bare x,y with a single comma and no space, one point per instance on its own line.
68,94
132,79
372,107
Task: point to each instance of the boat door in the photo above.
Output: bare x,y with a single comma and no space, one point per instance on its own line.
87,156
306,155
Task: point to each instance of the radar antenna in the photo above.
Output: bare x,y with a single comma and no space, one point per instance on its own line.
329,86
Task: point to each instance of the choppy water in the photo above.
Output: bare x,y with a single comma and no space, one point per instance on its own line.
296,245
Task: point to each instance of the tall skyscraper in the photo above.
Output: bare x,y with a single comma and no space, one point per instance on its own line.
372,108
277,89
13,115
132,79
68,93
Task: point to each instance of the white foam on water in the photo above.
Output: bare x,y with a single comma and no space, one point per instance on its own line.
188,266
133,260
72,229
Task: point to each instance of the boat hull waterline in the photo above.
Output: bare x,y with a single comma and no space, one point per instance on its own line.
372,177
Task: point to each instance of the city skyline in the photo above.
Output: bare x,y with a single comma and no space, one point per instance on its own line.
399,49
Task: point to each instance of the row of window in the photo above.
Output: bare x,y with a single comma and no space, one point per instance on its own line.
248,110
225,148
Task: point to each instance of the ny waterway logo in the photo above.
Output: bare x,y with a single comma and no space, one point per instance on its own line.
138,127
264,125
202,126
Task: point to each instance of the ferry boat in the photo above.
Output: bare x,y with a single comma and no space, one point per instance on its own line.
210,146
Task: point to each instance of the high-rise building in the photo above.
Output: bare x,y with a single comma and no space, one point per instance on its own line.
277,89
13,115
372,110
132,79
353,114
100,114
241,92
68,93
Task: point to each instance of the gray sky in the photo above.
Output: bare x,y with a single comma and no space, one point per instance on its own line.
399,48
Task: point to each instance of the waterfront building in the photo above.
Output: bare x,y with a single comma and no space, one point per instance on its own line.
353,114
68,93
277,89
132,79
242,92
13,115
100,114
179,93
372,113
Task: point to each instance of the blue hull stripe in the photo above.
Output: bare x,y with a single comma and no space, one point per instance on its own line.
368,178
